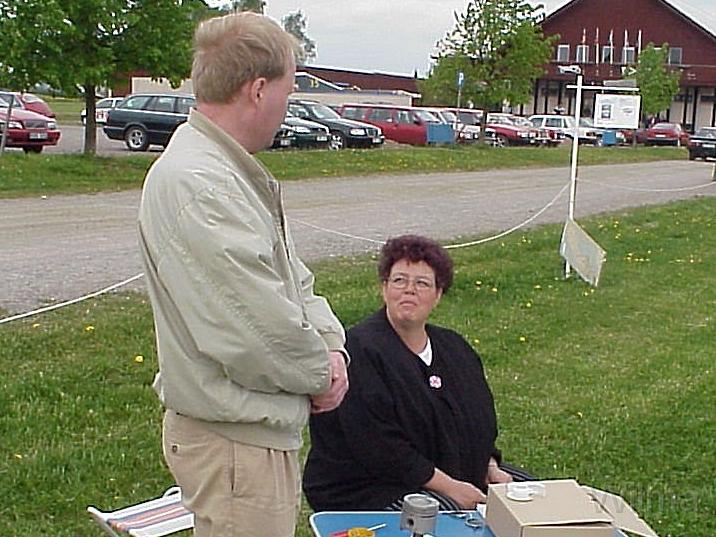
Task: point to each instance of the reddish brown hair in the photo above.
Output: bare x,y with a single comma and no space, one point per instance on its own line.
415,248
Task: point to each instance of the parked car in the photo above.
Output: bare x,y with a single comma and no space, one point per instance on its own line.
464,133
344,132
703,143
565,125
284,137
666,134
29,101
469,116
507,132
588,123
144,119
474,117
403,124
308,134
27,129
544,136
102,108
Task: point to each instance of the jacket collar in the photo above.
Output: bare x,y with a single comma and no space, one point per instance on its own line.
254,170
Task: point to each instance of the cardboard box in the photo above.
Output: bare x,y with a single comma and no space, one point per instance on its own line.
562,508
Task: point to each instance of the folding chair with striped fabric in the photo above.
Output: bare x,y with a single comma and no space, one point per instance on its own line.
153,518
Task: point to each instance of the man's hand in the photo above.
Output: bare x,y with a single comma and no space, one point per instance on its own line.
331,399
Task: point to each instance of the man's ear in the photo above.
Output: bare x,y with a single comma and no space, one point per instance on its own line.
256,90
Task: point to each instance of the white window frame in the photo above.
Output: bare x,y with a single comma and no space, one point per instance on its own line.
610,50
628,55
675,50
562,53
582,54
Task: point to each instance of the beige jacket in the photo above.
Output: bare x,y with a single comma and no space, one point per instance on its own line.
241,338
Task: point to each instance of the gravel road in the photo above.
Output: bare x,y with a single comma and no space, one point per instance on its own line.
61,247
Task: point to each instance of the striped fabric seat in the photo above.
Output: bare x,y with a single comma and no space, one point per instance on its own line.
153,518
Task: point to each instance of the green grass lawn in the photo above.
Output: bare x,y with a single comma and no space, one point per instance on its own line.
614,386
67,110
35,175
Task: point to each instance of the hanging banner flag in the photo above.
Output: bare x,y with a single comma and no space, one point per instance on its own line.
582,252
616,111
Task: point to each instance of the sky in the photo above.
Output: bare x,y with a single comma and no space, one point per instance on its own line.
391,36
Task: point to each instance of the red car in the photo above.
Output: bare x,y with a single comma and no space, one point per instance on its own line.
666,134
402,124
27,129
28,101
508,132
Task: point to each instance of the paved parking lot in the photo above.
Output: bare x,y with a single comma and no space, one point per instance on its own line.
72,141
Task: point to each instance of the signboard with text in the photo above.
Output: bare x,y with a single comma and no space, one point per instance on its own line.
617,111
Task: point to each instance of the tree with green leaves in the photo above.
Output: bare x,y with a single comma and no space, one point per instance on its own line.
295,24
257,6
657,84
499,48
70,44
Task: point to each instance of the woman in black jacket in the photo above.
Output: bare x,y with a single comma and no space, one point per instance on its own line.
419,415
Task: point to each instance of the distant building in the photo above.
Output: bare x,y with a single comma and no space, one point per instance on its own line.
363,80
605,37
326,84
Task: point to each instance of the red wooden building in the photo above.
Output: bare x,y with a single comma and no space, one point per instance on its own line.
605,37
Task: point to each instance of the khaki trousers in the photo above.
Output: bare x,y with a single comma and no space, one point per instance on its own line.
233,489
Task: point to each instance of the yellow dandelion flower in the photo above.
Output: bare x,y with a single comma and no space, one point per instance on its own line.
36,325
139,358
494,289
89,328
523,339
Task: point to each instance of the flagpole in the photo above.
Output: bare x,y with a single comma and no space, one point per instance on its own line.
639,43
611,46
597,59
573,168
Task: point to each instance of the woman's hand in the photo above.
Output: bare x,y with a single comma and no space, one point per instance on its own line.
495,475
466,495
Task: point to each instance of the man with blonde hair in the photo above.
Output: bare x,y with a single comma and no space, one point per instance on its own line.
246,350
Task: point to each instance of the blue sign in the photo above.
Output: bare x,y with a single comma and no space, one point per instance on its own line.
460,79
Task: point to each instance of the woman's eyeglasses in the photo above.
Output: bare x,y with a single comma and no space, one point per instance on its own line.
402,281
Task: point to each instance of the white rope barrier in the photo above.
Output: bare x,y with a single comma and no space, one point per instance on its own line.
68,302
374,241
513,228
450,246
632,189
334,232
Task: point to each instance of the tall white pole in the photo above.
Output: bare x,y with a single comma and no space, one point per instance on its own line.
575,151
